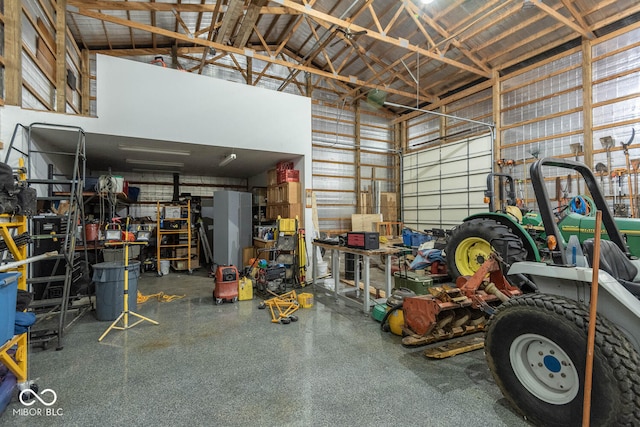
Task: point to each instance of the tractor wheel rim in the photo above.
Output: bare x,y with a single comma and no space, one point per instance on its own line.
544,369
471,254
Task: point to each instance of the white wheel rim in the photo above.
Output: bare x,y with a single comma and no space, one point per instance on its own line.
544,369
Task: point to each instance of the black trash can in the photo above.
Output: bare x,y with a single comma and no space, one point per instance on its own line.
109,280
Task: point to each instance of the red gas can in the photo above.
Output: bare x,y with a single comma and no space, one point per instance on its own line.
226,284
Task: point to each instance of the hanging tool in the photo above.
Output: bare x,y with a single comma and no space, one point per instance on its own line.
635,164
602,170
608,143
625,148
576,149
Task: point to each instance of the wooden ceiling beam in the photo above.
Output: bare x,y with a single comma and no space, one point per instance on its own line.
414,12
139,5
474,16
248,22
210,33
530,39
561,18
510,11
263,42
322,45
229,21
514,29
578,17
200,17
401,43
389,67
230,49
153,22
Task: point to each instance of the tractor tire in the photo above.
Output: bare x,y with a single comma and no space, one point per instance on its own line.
472,242
535,346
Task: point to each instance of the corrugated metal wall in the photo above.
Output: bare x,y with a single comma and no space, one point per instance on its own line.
353,149
541,116
38,63
616,105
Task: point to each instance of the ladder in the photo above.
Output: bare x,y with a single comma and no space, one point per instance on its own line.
204,241
52,280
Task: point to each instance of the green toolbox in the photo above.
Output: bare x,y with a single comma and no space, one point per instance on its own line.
418,283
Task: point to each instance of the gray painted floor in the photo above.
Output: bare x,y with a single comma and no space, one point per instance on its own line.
229,365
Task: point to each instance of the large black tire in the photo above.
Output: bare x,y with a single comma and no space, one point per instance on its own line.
536,345
472,242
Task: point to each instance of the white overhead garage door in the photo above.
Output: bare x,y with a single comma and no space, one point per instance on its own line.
444,184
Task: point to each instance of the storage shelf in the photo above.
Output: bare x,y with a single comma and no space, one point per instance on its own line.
183,253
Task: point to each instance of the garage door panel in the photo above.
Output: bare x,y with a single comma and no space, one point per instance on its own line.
449,184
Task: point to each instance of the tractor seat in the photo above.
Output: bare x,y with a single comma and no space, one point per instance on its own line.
614,262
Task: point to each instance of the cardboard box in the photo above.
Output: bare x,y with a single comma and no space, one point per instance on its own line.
272,177
263,244
289,192
247,254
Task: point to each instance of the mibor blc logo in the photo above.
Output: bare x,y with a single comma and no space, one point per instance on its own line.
30,400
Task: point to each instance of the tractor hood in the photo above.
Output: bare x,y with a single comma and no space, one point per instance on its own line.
584,227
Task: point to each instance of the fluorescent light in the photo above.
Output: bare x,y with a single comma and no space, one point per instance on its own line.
142,170
231,157
155,163
154,150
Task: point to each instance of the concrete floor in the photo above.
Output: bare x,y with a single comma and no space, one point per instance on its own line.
229,365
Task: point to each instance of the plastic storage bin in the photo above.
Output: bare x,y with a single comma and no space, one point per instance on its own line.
8,295
109,280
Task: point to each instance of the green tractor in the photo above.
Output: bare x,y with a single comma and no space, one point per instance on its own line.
520,236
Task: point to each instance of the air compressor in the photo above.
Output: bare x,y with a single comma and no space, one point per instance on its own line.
225,284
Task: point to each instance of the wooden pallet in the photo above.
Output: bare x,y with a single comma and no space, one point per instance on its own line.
454,348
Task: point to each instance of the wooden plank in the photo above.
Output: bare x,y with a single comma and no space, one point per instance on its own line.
45,59
13,53
378,293
454,348
365,222
61,57
389,206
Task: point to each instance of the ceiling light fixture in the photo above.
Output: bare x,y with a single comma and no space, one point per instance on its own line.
426,1
231,157
155,163
154,150
143,170
528,4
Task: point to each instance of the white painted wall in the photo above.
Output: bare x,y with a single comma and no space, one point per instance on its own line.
145,101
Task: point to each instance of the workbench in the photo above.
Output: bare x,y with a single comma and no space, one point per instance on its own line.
336,250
